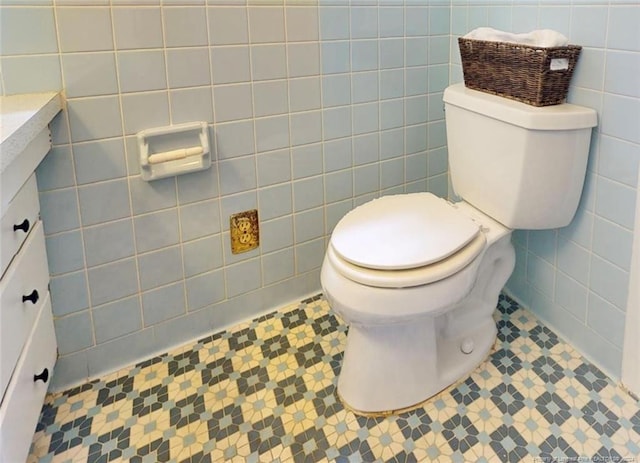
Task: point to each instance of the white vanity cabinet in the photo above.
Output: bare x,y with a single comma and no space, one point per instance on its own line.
28,348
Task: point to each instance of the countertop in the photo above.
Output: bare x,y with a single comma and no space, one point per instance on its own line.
22,117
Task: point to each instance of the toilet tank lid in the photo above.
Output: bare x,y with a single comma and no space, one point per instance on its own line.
557,117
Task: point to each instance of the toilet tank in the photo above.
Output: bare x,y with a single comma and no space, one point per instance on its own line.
522,165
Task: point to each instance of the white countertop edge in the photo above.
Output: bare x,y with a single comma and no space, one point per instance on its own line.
22,118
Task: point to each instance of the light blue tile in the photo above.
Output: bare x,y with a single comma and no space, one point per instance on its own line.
573,260
364,55
590,69
157,230
334,23
336,90
306,160
438,185
364,22
163,303
56,169
540,274
572,296
64,252
304,93
335,212
272,133
437,162
202,255
438,78
270,98
152,196
160,268
74,332
236,175
391,173
439,20
338,186
366,179
337,154
309,255
276,234
227,25
277,266
59,210
243,277
623,31
266,24
268,62
145,110
391,21
589,25
198,186
392,84
557,18
391,114
417,51
94,118
523,19
17,31
129,21
459,20
337,122
69,369
108,242
616,202
140,71
612,242
305,128
90,74
274,167
543,244
416,110
307,193
437,135
391,144
618,160
200,219
126,350
308,225
185,27
417,80
606,320
230,64
365,118
205,289
416,139
478,16
113,281
275,201
188,67
392,53
366,149
439,50
236,203
365,87
235,139
113,320
621,73
335,57
303,59
416,21
609,282
232,102
302,23
101,160
69,293
84,29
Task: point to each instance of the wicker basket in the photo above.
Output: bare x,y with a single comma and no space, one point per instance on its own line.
532,75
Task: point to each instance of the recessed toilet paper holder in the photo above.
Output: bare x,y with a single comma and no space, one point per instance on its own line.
173,150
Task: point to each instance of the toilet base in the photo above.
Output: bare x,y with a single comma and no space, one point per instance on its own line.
394,365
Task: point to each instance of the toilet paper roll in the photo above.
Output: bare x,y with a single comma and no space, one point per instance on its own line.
175,154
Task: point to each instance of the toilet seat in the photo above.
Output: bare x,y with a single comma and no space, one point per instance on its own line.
404,240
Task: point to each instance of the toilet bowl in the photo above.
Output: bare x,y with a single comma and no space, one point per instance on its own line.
417,321
417,278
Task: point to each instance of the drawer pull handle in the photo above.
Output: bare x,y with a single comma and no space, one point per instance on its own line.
44,376
24,226
33,297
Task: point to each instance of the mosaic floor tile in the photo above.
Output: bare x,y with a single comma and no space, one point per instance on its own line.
265,391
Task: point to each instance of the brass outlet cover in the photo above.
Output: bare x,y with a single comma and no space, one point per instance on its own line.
245,231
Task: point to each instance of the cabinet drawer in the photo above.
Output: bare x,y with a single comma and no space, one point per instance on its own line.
21,406
17,222
23,291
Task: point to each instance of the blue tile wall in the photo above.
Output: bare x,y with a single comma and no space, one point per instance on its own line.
577,278
309,116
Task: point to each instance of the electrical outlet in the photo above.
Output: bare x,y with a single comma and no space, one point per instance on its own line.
245,231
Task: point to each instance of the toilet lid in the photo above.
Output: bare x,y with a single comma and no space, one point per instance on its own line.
402,232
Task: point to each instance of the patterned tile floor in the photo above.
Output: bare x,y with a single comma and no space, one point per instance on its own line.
264,391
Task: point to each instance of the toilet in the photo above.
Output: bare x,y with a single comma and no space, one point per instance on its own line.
417,277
